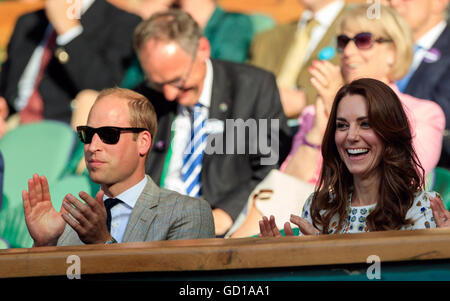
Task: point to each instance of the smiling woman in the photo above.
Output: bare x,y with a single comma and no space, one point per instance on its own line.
369,161
371,178
370,48
358,144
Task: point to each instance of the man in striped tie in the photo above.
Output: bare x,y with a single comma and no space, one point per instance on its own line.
196,151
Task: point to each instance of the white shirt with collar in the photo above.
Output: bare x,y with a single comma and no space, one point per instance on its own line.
325,17
120,214
182,128
27,81
426,43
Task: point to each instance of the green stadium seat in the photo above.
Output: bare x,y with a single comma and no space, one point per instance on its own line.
44,148
13,228
439,181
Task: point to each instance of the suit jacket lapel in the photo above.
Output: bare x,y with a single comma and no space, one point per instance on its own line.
221,104
432,71
303,79
282,49
28,45
221,93
94,17
143,214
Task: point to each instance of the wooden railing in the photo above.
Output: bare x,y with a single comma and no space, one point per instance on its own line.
229,254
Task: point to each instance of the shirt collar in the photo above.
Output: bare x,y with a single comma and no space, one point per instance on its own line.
131,195
427,40
324,16
205,95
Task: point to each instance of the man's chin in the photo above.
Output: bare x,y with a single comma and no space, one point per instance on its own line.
187,98
187,102
96,176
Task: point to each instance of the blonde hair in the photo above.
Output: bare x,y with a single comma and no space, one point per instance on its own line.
390,25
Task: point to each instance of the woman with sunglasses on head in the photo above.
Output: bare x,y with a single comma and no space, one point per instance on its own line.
379,48
371,178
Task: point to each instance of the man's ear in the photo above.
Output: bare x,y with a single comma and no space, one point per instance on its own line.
204,49
145,142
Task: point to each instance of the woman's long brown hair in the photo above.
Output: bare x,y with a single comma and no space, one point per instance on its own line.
401,173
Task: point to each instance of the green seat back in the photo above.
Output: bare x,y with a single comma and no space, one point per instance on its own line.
72,184
44,148
13,228
441,184
261,22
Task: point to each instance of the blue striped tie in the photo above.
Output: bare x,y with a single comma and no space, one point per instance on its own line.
193,154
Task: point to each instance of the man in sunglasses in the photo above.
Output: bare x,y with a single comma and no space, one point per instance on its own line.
429,76
130,206
194,97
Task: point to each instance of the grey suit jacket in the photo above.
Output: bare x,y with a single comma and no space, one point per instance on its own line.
161,214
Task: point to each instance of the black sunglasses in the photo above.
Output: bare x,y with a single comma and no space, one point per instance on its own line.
108,134
363,40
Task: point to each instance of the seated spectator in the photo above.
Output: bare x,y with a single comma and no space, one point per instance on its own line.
129,207
376,48
186,86
429,75
229,34
288,50
54,54
371,179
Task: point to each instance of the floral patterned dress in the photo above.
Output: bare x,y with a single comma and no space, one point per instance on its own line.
420,212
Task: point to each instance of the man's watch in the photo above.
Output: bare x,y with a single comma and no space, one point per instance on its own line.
112,241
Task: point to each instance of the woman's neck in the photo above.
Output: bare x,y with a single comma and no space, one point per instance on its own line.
366,191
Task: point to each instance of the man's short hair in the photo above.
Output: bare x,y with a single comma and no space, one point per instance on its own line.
141,111
172,25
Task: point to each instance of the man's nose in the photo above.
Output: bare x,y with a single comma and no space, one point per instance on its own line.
95,144
170,92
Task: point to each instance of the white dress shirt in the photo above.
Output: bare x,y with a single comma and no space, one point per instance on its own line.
120,214
325,17
182,128
425,43
27,81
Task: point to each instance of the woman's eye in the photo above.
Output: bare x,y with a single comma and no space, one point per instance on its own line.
341,125
365,124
